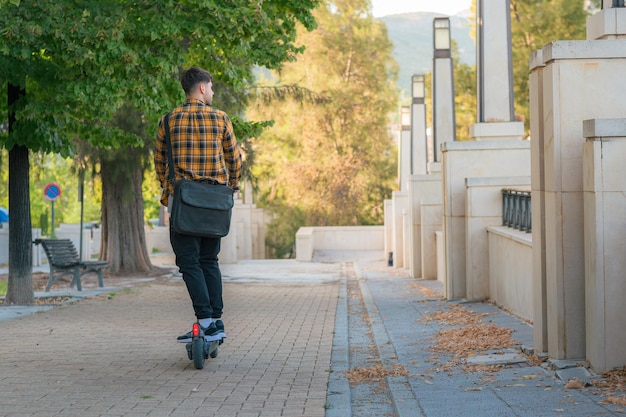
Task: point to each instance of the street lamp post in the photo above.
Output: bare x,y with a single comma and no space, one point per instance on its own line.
419,145
405,118
443,86
418,90
404,148
441,38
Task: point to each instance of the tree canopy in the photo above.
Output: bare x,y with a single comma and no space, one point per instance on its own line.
82,60
330,159
534,24
68,66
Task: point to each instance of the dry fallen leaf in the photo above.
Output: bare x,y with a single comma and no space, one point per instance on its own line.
573,384
462,341
615,400
455,315
374,373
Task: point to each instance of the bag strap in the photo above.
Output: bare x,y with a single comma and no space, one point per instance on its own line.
170,157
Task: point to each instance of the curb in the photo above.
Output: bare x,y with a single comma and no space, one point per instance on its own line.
402,396
338,399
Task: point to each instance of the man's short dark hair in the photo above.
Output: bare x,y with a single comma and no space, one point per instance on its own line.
193,76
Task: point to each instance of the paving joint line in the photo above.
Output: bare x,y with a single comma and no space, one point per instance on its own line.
404,401
338,398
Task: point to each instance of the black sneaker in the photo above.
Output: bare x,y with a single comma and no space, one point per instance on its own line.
211,334
220,328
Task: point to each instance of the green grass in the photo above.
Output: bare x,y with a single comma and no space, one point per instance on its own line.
123,291
3,288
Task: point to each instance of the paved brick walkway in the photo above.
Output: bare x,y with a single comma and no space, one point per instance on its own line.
116,355
294,328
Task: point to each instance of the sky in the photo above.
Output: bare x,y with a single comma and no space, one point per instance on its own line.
449,7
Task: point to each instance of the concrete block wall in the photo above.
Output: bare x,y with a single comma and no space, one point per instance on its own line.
338,238
462,160
510,270
483,208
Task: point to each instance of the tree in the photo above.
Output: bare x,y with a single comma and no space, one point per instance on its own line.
123,236
330,161
70,66
534,24
261,27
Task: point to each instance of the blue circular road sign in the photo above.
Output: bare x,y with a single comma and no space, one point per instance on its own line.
52,191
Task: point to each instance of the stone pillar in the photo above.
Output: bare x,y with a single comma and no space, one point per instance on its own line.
388,213
493,61
574,81
423,188
399,206
604,198
538,186
406,238
608,23
404,149
431,214
444,125
419,146
462,160
495,113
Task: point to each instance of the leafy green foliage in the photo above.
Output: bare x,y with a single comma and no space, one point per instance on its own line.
78,63
534,24
47,168
465,96
329,160
82,61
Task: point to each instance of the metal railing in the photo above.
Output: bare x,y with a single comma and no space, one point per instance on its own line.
516,209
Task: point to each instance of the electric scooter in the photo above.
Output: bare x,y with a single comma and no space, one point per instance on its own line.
199,349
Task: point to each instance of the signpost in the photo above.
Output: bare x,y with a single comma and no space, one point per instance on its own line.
52,192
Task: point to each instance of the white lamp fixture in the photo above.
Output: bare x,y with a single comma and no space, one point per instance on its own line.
405,117
441,38
418,90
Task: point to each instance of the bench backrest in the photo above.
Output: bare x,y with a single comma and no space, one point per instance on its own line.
60,252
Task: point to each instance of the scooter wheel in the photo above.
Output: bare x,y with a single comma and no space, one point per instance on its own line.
214,352
197,351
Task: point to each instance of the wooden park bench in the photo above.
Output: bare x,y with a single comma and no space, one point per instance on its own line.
64,260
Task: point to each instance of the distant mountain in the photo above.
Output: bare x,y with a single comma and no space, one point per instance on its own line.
412,37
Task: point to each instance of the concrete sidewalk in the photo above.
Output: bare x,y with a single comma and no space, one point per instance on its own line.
294,330
498,382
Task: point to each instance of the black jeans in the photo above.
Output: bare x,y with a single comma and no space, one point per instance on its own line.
196,257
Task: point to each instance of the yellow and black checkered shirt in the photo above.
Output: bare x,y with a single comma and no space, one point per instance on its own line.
203,145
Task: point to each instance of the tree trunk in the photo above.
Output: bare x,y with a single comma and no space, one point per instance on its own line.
123,233
20,285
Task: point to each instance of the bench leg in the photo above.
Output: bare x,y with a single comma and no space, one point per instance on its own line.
76,280
61,273
53,278
50,282
100,283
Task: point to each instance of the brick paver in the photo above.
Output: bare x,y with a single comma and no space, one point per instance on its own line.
116,355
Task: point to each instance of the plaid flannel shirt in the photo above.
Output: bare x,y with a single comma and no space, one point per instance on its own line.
203,145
